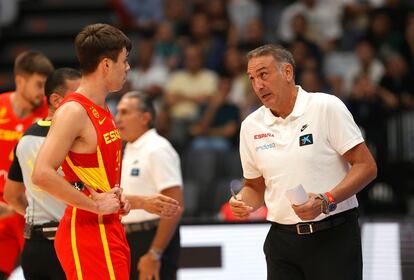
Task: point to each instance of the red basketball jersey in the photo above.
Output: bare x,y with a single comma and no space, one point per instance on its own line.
100,170
11,130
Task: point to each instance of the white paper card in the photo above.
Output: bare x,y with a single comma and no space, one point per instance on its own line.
297,195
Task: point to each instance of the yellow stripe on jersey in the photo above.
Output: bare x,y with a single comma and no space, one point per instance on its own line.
74,246
106,248
94,177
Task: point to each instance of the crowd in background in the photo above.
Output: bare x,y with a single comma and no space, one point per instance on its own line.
189,55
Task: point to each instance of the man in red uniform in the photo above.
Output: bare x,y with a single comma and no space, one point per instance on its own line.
90,242
18,110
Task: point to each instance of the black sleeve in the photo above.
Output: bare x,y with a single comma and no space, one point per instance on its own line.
15,171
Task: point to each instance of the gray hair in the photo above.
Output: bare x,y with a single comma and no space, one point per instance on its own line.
145,104
279,53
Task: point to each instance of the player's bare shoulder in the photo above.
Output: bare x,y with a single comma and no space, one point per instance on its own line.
72,116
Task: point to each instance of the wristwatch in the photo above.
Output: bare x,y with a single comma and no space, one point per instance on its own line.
155,254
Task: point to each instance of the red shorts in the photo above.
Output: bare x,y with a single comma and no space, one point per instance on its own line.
11,241
91,246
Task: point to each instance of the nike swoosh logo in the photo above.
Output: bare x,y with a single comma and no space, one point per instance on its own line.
101,121
303,127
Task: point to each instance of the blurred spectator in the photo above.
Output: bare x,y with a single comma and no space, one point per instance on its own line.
305,57
177,13
398,83
146,75
355,21
322,16
255,36
8,12
218,18
381,34
185,91
311,81
167,49
219,121
212,47
365,62
370,105
240,84
140,15
407,49
241,12
397,11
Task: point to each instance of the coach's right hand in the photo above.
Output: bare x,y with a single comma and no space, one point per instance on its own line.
239,208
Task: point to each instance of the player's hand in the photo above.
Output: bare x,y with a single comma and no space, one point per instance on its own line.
106,202
162,205
239,208
5,210
149,268
309,210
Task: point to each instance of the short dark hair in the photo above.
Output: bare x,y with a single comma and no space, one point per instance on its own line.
145,104
56,82
29,62
98,41
279,53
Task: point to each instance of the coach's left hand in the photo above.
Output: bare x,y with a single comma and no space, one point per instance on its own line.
309,210
149,268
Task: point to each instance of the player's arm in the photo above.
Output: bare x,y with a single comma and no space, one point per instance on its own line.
15,196
250,197
67,125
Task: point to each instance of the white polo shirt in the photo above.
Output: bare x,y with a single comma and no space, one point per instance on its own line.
150,165
304,148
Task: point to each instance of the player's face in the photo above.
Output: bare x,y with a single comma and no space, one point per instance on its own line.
118,71
131,122
268,80
33,89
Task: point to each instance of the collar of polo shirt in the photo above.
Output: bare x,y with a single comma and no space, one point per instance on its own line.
298,109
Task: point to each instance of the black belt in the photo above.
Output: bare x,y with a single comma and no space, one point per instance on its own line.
146,225
312,227
36,232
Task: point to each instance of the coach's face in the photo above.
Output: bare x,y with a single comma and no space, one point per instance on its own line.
131,121
270,80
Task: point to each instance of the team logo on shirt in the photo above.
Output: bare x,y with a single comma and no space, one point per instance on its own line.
266,147
304,127
95,112
306,140
263,135
135,172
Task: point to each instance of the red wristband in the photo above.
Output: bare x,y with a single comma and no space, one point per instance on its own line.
330,197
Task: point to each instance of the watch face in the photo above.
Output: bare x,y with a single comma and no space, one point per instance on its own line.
332,207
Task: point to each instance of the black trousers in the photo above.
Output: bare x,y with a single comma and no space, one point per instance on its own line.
334,253
140,242
39,260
